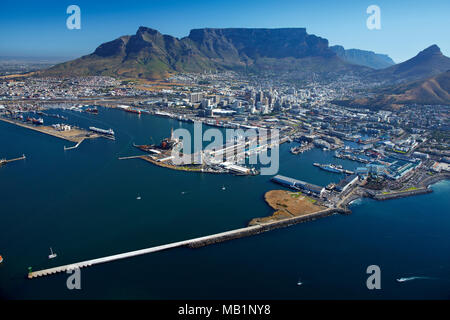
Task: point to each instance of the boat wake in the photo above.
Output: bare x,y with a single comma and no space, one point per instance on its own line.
414,278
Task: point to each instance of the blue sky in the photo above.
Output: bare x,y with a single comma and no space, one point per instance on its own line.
38,28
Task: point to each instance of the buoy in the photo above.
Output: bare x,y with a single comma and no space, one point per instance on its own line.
1,259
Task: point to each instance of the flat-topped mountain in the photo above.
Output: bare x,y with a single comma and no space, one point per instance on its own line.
150,54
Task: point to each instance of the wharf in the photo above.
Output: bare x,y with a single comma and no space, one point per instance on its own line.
74,135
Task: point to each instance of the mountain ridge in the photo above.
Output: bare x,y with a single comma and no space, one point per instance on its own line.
150,54
363,57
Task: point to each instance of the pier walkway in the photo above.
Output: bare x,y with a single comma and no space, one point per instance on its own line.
192,242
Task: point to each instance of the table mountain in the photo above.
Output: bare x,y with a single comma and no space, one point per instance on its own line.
150,54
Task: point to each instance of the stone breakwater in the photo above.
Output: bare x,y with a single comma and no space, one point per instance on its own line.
402,194
263,227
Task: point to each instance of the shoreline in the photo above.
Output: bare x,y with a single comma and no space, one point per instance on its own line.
344,208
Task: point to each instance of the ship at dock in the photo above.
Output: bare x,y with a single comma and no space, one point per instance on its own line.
92,110
335,168
131,110
108,132
35,121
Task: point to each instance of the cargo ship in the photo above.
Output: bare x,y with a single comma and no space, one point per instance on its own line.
133,111
108,132
329,167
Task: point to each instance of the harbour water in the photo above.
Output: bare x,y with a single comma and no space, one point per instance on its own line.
83,203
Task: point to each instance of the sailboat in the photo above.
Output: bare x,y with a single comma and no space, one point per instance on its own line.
52,254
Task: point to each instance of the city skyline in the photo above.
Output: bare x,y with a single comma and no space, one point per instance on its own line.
405,29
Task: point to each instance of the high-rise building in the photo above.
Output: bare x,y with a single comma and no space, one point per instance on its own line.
196,97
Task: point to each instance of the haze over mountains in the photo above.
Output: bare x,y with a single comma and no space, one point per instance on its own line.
363,57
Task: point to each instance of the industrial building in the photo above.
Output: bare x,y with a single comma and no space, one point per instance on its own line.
347,182
299,185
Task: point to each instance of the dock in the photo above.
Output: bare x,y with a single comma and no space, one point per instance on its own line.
74,135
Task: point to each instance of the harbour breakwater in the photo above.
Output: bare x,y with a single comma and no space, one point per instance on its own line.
263,227
192,243
401,194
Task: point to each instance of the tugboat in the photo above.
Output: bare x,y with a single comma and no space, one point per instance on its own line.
295,150
39,121
92,110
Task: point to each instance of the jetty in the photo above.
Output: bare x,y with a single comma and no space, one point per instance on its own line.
75,146
5,161
191,243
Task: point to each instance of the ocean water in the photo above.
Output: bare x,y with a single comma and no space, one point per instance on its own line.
83,204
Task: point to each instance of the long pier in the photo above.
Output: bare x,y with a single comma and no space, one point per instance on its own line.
192,243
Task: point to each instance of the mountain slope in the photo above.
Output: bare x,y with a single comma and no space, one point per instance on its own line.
150,54
363,58
426,63
434,90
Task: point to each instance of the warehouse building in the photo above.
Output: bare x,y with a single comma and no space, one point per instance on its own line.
299,185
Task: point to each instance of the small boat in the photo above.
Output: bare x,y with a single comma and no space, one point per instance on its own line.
223,188
138,197
52,254
299,283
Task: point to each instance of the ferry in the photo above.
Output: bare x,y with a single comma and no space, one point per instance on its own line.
109,132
